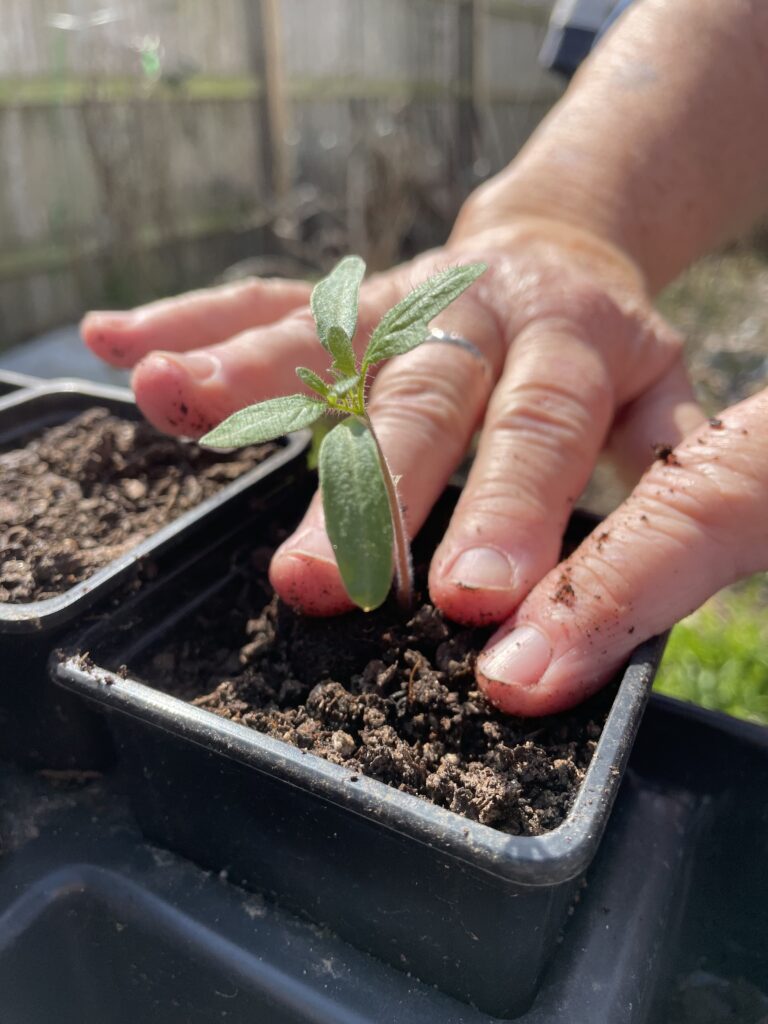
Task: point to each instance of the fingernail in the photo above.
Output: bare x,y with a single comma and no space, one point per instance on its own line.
521,657
482,569
312,543
201,366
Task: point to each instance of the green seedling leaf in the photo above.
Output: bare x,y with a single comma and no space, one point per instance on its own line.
344,386
405,326
341,349
334,306
311,379
265,421
320,428
357,514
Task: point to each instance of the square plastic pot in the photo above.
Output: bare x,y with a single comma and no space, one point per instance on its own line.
40,725
461,906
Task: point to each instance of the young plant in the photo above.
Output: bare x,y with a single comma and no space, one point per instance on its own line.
363,516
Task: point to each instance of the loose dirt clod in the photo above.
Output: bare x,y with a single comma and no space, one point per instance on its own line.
665,453
564,592
80,494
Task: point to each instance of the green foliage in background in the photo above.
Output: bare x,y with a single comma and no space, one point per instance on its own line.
718,657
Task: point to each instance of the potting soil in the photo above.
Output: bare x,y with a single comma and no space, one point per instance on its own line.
390,699
78,495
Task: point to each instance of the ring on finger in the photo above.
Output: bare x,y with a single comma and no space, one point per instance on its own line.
436,334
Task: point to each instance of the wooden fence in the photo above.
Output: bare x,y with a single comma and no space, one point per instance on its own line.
148,144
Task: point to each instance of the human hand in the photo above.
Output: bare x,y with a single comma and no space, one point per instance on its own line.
574,358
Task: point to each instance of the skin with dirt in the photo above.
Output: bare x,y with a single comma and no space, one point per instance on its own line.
384,696
78,495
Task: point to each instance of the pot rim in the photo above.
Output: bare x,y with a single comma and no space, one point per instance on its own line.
19,381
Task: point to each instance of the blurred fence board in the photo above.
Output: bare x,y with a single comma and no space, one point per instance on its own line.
133,156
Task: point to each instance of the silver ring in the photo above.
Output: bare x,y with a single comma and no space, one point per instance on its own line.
449,338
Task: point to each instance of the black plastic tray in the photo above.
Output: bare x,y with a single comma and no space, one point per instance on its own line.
98,926
459,905
38,724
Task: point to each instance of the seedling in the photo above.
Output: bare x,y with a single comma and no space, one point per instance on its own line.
363,515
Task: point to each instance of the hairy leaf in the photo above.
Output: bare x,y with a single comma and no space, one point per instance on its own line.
405,326
265,421
357,513
344,386
311,379
341,349
319,429
334,306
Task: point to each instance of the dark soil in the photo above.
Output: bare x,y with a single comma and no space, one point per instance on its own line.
392,700
665,453
81,494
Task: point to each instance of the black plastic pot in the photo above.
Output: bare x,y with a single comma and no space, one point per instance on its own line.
457,904
40,725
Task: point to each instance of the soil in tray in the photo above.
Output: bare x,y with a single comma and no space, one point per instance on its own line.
78,495
391,699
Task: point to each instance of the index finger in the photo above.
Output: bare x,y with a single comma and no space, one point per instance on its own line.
187,322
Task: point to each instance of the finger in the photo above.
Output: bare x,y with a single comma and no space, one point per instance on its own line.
695,523
303,570
544,428
189,393
662,416
425,407
190,321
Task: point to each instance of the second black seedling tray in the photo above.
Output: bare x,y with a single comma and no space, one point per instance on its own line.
39,725
472,910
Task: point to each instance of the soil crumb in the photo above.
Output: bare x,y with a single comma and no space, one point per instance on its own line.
665,453
78,495
389,699
564,592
